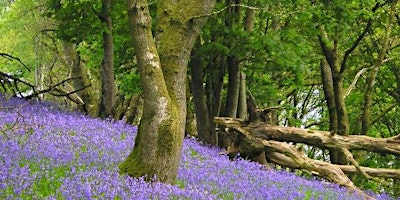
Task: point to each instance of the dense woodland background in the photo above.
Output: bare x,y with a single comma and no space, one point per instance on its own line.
320,65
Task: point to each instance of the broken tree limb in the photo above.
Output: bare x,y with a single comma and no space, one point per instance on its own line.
331,173
285,161
11,57
246,137
322,139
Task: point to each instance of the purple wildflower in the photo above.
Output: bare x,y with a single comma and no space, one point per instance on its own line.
51,154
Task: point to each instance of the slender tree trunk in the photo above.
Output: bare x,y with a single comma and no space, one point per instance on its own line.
249,19
190,127
233,64
159,139
40,69
81,80
327,84
371,80
232,97
204,128
108,93
242,102
213,89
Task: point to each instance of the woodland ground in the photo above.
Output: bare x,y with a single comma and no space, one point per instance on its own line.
48,153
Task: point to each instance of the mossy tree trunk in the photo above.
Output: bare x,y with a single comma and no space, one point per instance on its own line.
332,73
162,65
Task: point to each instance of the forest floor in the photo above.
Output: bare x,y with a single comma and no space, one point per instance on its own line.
49,153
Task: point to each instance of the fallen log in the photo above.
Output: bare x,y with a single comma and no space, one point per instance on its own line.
322,139
244,137
285,161
331,173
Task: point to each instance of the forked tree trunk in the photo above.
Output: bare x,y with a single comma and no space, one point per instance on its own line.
158,143
341,125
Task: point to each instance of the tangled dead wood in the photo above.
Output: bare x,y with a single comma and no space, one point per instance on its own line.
13,85
254,139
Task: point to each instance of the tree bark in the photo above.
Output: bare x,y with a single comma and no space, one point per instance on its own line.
157,150
233,63
322,139
232,97
213,89
342,126
242,102
108,94
285,161
371,80
205,130
80,78
247,138
327,84
190,127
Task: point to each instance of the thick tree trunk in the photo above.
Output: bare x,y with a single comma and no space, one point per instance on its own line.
175,54
158,143
341,126
108,87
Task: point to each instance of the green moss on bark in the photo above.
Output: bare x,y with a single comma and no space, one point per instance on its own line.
134,165
168,140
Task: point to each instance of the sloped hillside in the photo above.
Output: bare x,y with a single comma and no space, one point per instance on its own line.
48,153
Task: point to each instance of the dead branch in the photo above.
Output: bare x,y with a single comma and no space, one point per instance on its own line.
322,139
10,57
60,89
284,161
274,139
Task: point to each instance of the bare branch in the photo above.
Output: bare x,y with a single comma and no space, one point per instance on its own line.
10,57
353,84
358,40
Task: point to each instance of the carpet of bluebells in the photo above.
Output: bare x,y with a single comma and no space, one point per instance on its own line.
48,153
